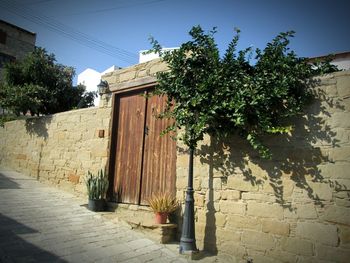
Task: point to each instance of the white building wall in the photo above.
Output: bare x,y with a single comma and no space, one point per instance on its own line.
91,78
147,57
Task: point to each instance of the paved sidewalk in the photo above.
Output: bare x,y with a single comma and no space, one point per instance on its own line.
40,223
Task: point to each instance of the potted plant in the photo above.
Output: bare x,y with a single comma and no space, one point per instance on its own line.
162,205
97,188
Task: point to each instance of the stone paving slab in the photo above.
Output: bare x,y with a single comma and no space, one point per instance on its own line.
40,223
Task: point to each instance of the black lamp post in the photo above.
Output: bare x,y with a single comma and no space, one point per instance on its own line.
188,236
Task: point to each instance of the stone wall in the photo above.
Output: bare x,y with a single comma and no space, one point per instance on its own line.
293,208
134,76
59,148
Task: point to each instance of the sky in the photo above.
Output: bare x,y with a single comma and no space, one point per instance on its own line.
100,33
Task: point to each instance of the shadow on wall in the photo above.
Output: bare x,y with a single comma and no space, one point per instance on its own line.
295,159
38,126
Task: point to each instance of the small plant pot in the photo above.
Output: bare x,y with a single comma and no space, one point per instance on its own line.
97,205
161,218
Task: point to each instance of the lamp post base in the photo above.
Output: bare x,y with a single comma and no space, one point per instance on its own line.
188,237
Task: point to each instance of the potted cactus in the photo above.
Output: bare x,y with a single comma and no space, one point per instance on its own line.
97,186
162,205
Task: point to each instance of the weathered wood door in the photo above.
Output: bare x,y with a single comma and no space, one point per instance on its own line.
145,162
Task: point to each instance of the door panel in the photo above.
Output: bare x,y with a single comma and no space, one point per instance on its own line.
129,144
145,162
159,164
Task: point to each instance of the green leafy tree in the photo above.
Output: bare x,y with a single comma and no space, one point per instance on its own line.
222,95
209,94
39,85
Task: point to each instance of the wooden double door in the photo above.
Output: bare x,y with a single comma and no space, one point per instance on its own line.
145,161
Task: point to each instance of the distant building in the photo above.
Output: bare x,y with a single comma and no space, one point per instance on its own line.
341,60
90,78
147,57
15,43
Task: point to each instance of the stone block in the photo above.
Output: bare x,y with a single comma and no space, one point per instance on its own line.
297,246
343,86
332,254
232,248
73,178
220,219
340,154
182,160
21,157
224,235
230,195
322,191
275,227
317,232
241,184
342,198
265,210
243,222
127,75
142,73
216,195
307,211
281,256
158,68
181,182
344,234
340,184
337,214
232,207
217,184
335,171
259,257
84,155
199,199
265,197
258,240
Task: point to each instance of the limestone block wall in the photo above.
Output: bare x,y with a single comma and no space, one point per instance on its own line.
134,76
59,148
293,208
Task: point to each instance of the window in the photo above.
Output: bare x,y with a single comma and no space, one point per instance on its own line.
3,36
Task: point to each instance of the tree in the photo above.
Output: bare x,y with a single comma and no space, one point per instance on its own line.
209,94
39,85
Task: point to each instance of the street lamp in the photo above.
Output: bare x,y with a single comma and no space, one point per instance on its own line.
188,237
102,87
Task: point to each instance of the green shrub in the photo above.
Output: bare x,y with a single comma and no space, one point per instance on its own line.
97,185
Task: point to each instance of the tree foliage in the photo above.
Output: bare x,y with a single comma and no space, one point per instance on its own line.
39,85
222,95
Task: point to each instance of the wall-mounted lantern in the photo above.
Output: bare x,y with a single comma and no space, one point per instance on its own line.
102,87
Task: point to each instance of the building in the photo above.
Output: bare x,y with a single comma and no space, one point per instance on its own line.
90,78
15,43
341,60
144,56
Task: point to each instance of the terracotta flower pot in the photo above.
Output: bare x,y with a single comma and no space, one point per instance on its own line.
161,218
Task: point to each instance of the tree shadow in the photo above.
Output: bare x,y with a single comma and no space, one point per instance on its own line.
210,226
296,159
13,248
38,126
